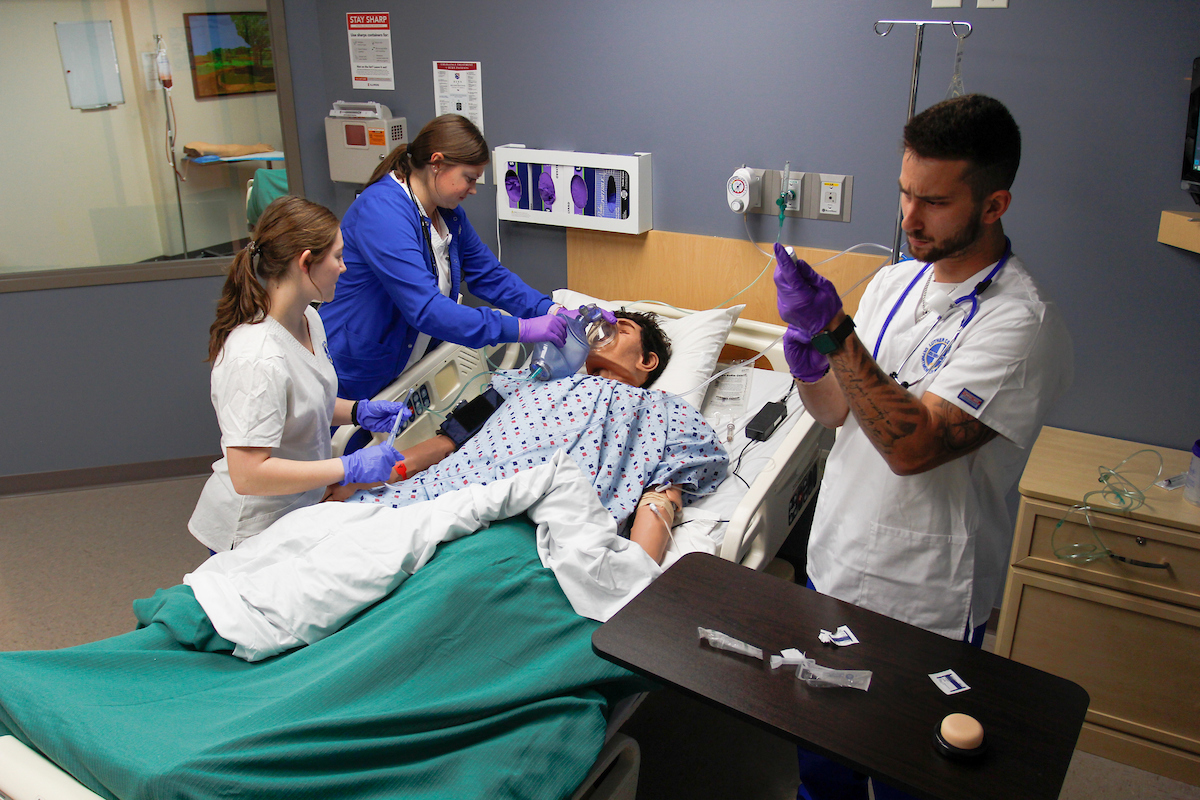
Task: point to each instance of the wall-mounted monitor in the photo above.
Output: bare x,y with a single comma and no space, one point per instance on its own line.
1191,146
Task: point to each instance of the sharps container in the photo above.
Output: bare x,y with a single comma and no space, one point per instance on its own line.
1191,489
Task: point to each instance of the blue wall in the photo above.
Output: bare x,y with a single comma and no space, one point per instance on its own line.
1100,91
110,375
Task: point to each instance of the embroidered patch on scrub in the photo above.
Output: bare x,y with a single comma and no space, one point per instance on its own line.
970,398
935,353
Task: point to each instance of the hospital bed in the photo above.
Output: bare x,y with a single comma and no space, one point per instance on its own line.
745,521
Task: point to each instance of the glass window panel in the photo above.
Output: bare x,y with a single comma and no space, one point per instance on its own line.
86,188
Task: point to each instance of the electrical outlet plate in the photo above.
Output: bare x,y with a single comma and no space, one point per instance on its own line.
992,4
947,4
831,195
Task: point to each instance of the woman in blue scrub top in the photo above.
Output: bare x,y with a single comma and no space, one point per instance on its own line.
408,247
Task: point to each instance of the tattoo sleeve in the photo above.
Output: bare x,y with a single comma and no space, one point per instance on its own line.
910,434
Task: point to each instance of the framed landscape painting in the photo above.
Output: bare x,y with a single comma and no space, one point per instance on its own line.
229,53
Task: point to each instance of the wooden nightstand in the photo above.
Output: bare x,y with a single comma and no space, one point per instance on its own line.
1129,635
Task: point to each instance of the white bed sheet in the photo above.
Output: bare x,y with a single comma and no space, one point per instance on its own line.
706,520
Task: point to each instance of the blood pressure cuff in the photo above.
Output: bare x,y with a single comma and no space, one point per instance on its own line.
469,416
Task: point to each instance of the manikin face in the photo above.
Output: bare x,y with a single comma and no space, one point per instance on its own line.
621,359
452,183
941,218
324,274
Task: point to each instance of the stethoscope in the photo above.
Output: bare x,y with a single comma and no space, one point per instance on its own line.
935,359
425,225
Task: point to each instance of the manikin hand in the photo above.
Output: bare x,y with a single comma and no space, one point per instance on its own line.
805,299
803,360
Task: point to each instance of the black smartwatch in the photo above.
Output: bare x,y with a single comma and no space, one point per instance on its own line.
828,341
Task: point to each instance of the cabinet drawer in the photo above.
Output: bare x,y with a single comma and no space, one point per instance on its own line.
1136,658
1036,538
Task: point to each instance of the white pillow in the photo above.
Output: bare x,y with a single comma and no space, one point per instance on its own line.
696,342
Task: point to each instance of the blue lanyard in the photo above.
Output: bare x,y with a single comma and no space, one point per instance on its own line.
972,298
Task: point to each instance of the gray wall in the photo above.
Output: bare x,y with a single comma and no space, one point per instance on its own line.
112,375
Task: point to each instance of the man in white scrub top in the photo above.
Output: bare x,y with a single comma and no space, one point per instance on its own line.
939,387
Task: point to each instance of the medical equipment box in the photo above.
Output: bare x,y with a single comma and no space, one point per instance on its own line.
596,191
358,136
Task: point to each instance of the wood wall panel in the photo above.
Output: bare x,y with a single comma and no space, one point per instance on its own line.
696,272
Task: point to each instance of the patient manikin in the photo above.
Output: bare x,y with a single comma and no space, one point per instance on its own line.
641,449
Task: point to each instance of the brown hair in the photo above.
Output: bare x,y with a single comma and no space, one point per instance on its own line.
452,135
289,226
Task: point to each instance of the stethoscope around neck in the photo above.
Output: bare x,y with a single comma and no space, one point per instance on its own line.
972,298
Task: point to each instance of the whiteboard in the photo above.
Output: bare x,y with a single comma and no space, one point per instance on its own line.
89,59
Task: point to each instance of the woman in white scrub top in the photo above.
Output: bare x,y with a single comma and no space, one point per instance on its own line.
273,385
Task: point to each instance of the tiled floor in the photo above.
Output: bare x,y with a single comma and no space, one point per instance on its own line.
72,562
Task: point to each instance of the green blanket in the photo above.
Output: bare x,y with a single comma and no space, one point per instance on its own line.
475,679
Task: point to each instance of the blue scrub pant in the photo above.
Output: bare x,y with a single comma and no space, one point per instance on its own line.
822,779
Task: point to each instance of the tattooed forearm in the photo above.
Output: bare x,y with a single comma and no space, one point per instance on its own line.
886,412
960,432
912,434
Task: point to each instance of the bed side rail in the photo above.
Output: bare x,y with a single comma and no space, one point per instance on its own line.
26,774
449,374
778,496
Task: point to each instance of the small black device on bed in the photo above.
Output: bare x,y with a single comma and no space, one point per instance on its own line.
469,416
766,421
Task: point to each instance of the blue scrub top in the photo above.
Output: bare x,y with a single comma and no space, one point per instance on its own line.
389,293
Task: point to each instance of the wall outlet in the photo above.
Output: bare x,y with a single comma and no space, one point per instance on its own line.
830,202
992,4
947,4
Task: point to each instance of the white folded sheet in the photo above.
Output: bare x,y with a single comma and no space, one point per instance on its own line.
305,576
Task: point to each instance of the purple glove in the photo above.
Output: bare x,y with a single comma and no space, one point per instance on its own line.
805,299
803,359
512,185
370,465
380,415
546,190
550,328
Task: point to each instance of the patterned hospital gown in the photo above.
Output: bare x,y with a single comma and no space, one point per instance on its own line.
628,440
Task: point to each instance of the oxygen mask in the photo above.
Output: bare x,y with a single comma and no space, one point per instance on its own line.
591,329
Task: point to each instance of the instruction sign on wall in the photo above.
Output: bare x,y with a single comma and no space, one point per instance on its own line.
458,89
370,50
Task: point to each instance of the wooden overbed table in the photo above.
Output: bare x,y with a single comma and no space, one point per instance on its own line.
1031,719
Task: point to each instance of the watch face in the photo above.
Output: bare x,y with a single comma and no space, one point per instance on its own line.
825,343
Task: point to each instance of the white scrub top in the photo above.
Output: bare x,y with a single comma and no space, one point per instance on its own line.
268,391
931,549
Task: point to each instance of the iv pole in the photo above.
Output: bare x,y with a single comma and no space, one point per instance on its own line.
912,86
168,107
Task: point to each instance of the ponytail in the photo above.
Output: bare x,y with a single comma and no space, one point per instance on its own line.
289,226
399,159
452,135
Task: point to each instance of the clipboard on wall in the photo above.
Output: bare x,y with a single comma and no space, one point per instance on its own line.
89,59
